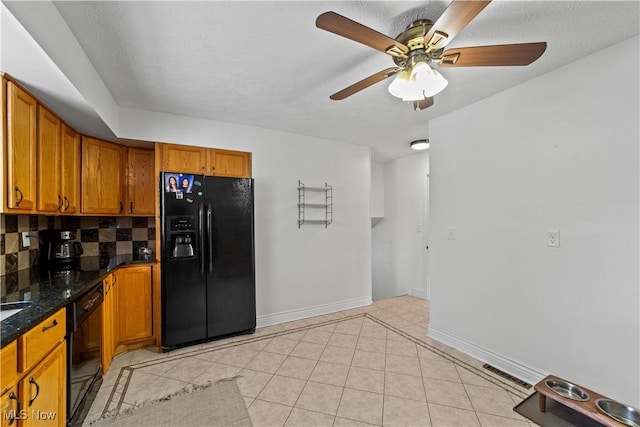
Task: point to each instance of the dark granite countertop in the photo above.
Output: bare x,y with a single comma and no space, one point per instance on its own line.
50,291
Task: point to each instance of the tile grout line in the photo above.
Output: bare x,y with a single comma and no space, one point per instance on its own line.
236,343
451,358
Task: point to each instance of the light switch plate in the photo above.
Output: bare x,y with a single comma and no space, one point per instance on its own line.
25,239
451,234
553,239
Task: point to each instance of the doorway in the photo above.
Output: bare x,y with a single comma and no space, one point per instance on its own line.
425,239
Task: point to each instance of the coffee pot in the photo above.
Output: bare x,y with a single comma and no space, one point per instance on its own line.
58,248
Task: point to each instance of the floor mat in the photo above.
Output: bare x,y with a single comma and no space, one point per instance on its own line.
556,414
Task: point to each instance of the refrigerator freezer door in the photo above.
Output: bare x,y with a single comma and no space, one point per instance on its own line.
231,303
184,311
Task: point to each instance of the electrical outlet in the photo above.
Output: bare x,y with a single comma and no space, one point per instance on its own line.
553,239
451,234
25,239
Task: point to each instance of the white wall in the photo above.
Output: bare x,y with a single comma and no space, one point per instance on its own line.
299,272
377,190
560,152
398,248
22,58
47,28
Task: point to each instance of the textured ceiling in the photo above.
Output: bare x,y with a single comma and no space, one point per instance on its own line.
266,64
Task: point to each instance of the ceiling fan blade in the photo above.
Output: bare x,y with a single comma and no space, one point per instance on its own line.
345,27
493,56
457,15
421,105
365,83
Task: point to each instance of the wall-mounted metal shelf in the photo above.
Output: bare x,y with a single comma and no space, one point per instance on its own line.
315,204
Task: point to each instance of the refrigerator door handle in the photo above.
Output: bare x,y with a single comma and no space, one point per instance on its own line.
211,236
201,228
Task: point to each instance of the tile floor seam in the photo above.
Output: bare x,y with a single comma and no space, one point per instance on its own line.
363,314
426,395
346,379
451,358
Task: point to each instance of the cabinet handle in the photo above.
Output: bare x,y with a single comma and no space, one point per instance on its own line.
60,202
121,207
131,207
33,381
107,288
20,195
66,203
12,418
53,325
115,281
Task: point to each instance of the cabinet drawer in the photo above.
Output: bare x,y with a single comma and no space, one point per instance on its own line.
40,340
9,365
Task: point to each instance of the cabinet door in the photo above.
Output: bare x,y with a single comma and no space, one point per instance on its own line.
134,303
235,164
108,323
48,154
43,391
70,171
102,177
12,409
142,183
183,158
21,149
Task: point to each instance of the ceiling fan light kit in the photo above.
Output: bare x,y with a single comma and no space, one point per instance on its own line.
415,50
418,83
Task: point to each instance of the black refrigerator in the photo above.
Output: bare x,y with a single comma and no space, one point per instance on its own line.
208,279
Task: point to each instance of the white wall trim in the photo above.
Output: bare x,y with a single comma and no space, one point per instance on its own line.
512,367
316,310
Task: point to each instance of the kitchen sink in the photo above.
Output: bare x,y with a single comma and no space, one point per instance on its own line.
8,309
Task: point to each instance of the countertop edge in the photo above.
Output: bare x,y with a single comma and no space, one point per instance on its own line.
28,319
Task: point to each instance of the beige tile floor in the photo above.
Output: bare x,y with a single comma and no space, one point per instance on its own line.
368,366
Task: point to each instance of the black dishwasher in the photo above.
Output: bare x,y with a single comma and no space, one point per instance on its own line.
84,344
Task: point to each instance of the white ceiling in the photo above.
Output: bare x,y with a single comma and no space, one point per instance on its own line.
265,63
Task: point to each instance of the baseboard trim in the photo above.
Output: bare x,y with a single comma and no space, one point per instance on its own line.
510,366
316,310
417,293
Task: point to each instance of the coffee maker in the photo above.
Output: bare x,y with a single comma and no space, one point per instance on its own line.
58,249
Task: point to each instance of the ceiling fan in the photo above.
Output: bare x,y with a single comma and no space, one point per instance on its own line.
421,45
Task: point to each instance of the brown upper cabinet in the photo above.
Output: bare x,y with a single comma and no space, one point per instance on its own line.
206,161
48,154
236,164
43,156
70,172
103,178
58,160
20,149
141,182
184,158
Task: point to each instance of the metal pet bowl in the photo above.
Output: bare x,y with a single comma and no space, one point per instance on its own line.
568,390
624,414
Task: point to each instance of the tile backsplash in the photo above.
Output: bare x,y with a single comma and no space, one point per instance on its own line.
98,235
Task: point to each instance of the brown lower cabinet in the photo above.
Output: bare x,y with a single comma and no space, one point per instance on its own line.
109,339
134,304
36,391
127,320
43,391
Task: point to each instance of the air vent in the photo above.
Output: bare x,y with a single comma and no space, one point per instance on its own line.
507,376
